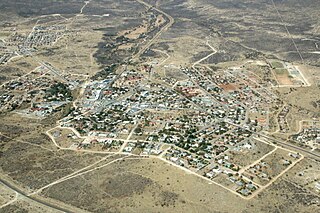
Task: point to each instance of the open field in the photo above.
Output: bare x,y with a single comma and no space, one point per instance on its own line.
65,137
43,165
27,206
246,157
6,195
269,167
139,185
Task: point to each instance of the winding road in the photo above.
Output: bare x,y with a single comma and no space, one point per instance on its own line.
206,57
166,27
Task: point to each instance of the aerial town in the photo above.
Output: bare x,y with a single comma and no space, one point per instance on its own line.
128,98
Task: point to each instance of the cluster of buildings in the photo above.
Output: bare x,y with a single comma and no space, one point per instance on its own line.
6,56
44,36
186,159
282,120
104,144
264,170
309,135
242,185
39,93
198,117
232,93
143,148
22,44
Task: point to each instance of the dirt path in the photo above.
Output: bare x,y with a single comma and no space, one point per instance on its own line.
275,178
257,161
206,57
80,172
84,6
165,53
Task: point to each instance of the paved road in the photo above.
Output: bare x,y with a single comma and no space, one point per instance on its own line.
291,146
167,26
21,193
281,142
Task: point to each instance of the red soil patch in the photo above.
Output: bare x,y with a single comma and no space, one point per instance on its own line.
228,87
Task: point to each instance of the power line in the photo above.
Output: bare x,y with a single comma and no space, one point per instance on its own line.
291,37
